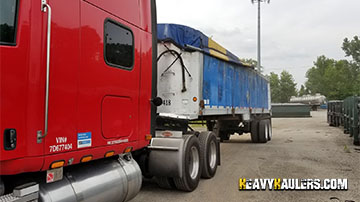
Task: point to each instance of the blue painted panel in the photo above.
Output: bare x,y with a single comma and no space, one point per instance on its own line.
221,83
230,85
237,88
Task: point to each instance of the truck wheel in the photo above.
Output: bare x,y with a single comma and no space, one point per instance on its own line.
263,131
208,152
269,129
165,182
192,168
254,131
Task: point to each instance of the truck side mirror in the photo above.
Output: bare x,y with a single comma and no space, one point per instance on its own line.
157,101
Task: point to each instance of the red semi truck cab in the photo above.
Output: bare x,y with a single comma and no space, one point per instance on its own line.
95,101
78,100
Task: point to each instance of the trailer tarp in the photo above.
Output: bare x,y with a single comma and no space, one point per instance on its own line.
184,36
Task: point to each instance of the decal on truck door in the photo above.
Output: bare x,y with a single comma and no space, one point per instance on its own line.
61,145
84,140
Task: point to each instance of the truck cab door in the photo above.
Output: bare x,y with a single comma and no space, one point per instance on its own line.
22,86
63,76
109,74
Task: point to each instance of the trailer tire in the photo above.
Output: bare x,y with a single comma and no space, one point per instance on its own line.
269,129
254,131
263,131
208,152
192,165
165,182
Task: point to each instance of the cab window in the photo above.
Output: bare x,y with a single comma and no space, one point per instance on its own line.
119,45
8,18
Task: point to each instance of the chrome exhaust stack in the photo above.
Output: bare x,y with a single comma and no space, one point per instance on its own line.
107,180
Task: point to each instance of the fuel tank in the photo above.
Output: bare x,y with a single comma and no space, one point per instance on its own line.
108,180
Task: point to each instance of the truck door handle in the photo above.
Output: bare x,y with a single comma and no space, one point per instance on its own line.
45,7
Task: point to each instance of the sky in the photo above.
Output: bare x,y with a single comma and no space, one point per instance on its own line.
294,33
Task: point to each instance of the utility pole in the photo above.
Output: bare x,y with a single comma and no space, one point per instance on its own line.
259,32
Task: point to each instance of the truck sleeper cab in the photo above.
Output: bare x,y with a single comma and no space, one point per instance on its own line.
75,86
78,105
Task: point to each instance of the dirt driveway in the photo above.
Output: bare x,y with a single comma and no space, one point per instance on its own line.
301,148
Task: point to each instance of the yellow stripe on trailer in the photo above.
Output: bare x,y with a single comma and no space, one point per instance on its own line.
215,46
217,50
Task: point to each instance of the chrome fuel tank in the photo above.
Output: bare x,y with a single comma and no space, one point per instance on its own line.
107,180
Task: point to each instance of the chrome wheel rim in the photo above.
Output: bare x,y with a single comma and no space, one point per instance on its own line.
270,131
212,154
194,162
266,132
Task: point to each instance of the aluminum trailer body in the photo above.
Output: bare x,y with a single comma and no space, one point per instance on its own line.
211,84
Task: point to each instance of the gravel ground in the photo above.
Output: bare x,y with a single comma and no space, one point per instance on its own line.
301,148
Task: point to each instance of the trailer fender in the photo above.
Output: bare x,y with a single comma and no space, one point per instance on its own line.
166,157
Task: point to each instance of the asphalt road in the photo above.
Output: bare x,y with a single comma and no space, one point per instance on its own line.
305,148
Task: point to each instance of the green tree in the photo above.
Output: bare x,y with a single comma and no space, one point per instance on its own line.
316,82
274,87
287,87
334,79
352,48
303,91
282,88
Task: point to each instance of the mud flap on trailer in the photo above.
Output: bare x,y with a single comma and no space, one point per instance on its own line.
166,157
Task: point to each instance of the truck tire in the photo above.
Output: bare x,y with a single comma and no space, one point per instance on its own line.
192,165
165,182
269,129
263,131
208,152
254,131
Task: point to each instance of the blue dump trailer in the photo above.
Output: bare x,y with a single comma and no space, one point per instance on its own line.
200,81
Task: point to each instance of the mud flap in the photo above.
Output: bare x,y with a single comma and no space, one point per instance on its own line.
218,151
166,157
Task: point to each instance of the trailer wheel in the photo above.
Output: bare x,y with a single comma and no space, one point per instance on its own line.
192,168
208,152
263,131
254,131
165,182
269,129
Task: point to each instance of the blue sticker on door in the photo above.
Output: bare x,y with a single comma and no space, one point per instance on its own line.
84,140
